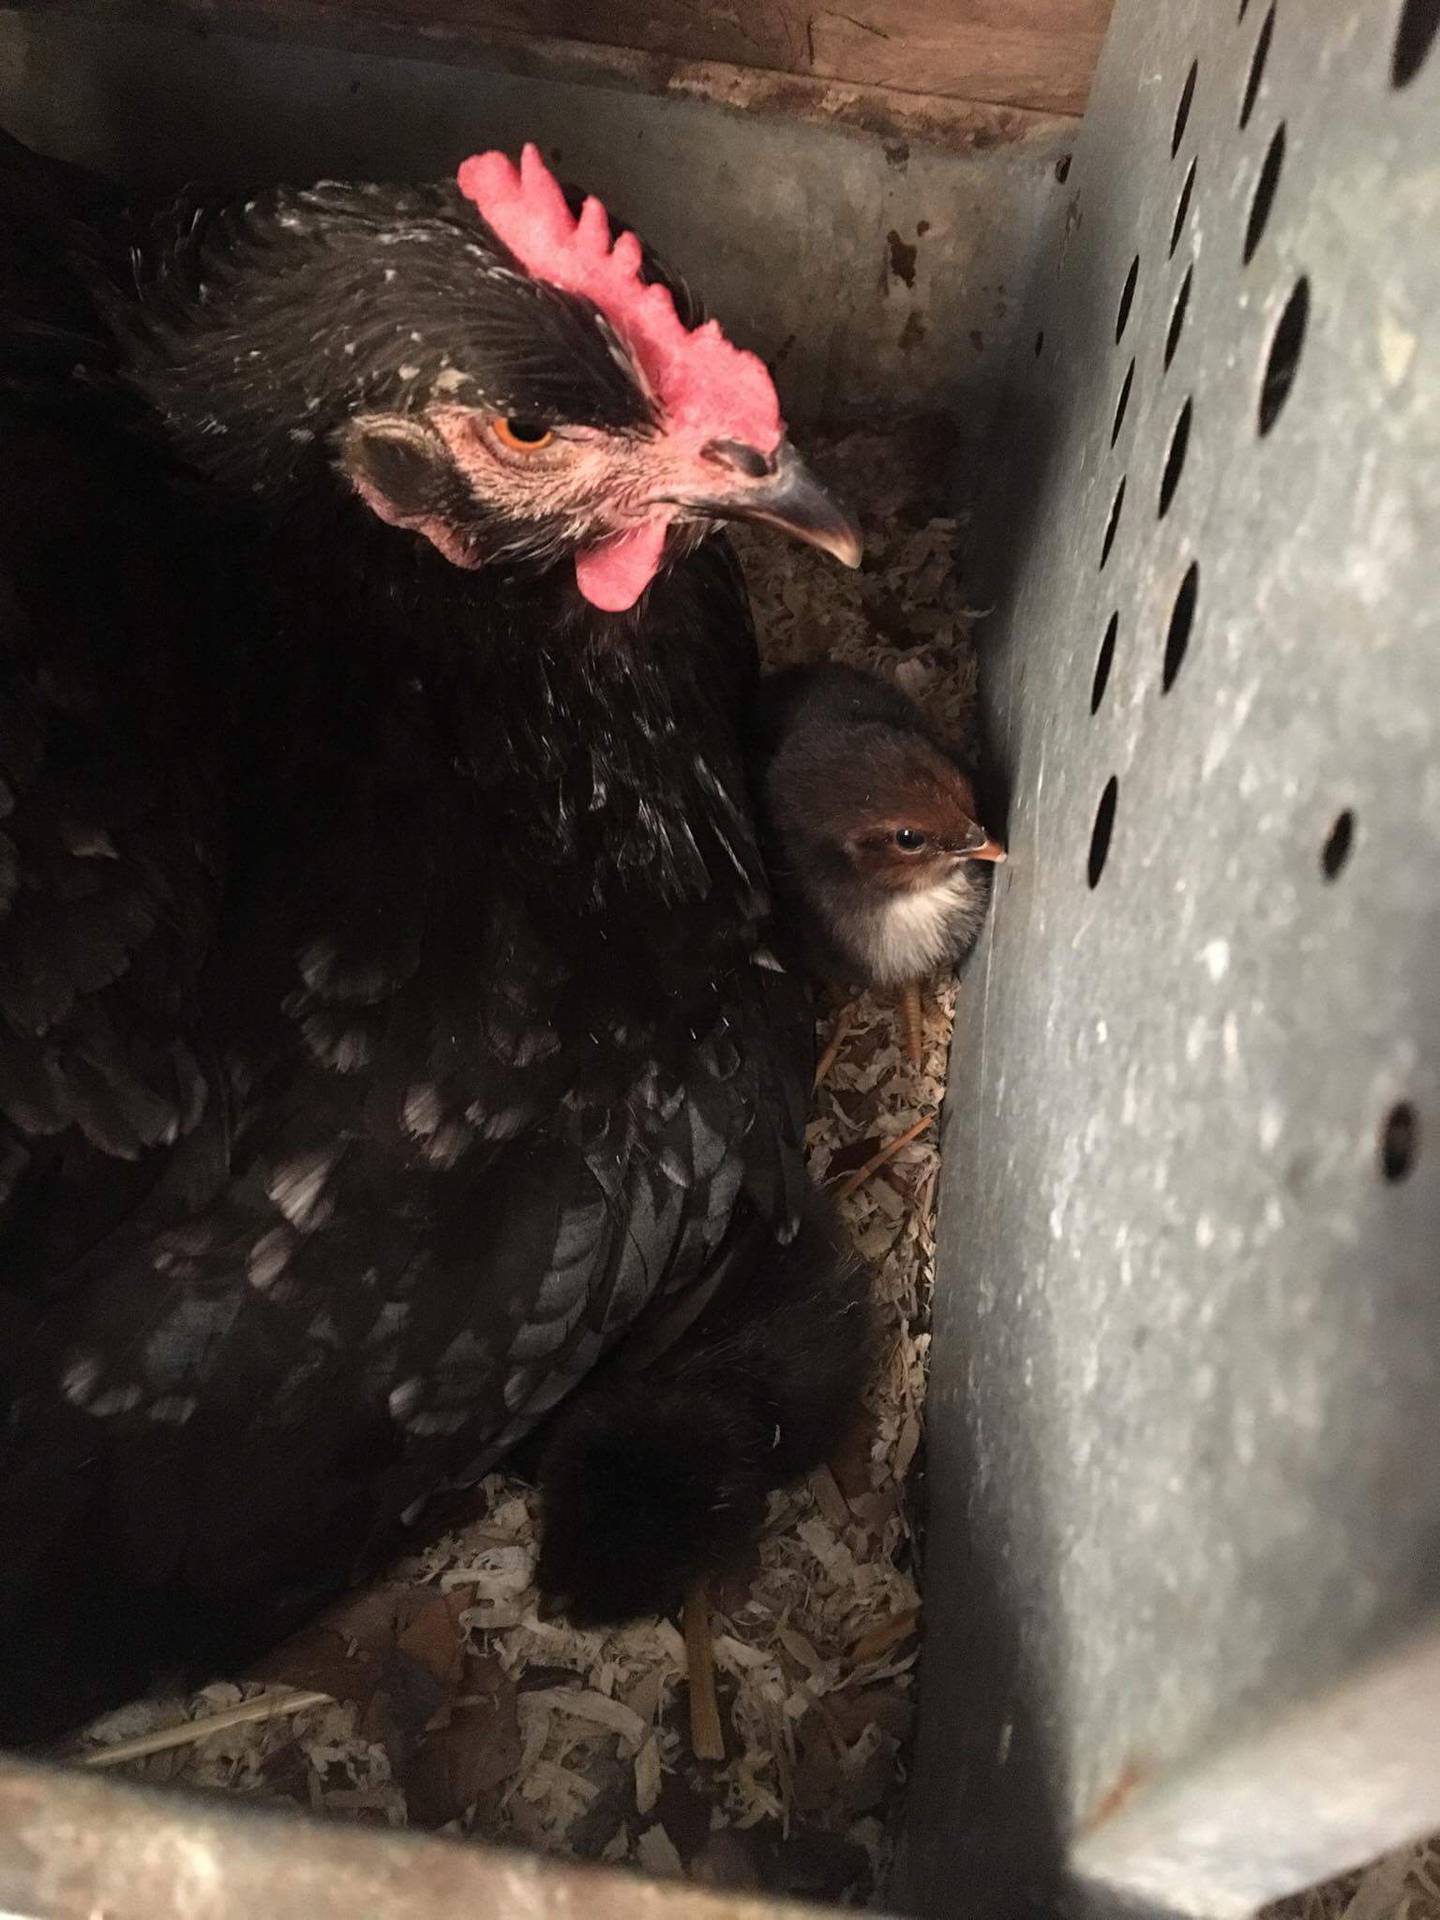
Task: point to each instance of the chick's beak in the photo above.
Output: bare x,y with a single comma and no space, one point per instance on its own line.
979,846
783,494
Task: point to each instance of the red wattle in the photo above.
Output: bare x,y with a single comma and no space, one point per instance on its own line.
614,573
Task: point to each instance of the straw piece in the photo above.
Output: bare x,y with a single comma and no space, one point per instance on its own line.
268,1706
837,1040
887,1152
707,1736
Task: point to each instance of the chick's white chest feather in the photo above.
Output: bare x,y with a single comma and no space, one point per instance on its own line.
914,933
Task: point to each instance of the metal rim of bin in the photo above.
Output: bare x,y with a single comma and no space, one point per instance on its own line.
76,1848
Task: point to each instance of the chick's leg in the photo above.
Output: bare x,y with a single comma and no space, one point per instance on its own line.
912,1023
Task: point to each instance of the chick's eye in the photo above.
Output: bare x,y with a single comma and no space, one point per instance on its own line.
910,839
521,435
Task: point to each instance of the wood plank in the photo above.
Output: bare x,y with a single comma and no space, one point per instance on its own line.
962,126
420,28
1036,54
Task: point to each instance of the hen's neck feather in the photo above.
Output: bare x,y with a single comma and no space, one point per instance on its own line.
599,745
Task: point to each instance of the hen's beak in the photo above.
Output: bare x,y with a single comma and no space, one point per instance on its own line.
788,496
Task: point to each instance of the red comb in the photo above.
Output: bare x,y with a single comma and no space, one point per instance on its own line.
703,383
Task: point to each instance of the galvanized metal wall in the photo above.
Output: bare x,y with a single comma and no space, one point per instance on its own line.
1184,1467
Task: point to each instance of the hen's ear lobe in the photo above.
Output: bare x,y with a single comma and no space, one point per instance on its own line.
399,463
403,471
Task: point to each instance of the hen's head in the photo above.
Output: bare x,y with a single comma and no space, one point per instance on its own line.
483,366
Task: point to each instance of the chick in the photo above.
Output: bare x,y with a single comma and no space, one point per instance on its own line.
879,867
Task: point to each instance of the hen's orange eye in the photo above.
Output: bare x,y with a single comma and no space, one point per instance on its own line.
523,436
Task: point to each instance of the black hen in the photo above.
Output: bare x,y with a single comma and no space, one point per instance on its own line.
382,1035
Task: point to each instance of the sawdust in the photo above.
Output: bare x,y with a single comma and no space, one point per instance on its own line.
452,1705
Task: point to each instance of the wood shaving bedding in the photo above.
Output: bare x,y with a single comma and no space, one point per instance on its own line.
449,1703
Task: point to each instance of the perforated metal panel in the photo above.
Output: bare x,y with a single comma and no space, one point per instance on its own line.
1185,1413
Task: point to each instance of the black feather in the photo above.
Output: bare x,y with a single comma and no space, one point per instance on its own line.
656,1478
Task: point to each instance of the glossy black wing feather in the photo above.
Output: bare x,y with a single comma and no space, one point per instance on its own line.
111,841
276,1387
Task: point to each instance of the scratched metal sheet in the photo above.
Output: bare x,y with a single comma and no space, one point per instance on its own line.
1184,1472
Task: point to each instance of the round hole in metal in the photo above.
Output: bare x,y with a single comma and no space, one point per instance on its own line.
1177,316
1414,36
1127,294
1174,460
1103,663
1264,197
1100,833
1113,523
1182,619
1122,403
1399,1139
1257,67
1182,112
1062,167
1182,207
1282,362
1338,843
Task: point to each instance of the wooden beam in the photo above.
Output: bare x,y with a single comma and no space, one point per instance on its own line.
1037,54
959,125
964,74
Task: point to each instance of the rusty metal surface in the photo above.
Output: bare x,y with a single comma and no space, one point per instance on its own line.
75,1848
